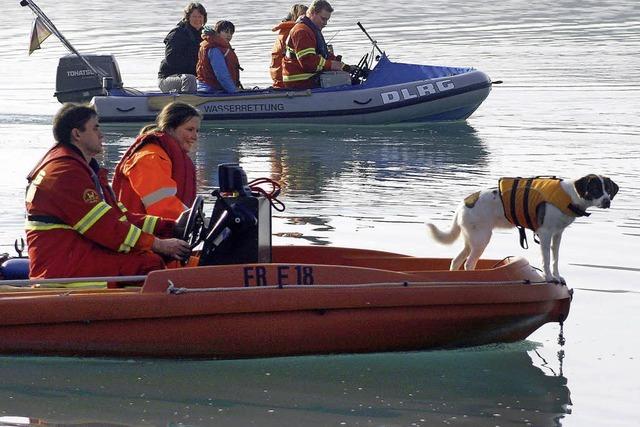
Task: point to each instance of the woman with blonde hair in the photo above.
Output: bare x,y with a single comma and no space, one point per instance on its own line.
277,52
155,175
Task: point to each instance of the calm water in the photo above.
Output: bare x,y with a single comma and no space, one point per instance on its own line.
569,105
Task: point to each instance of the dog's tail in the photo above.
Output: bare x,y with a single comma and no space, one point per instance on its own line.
446,237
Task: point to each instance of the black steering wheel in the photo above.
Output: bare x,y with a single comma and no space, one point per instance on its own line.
195,227
361,70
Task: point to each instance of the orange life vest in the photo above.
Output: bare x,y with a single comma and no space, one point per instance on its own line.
521,198
204,70
158,189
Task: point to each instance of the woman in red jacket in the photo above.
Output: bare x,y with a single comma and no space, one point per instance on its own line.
277,52
156,175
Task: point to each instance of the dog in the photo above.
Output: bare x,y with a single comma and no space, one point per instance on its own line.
545,205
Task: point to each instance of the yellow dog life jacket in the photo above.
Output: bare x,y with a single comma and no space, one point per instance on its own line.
522,196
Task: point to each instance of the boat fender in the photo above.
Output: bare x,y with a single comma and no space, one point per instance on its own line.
15,269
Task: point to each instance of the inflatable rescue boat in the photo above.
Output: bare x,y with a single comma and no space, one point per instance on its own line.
247,298
391,92
387,93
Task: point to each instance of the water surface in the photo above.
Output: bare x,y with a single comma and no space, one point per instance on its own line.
569,105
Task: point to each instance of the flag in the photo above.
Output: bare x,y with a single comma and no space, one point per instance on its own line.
39,33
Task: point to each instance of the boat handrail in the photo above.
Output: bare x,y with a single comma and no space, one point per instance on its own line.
174,290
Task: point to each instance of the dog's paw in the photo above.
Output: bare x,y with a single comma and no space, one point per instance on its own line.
555,279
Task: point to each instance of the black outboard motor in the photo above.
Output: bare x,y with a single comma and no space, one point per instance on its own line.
76,82
240,228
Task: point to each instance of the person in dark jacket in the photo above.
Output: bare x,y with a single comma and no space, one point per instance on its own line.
178,68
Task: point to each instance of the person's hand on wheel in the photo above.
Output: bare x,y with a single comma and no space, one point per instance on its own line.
172,248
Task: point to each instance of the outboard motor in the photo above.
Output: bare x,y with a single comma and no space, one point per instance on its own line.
240,228
75,82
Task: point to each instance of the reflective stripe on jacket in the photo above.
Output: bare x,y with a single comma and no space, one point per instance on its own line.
71,209
521,198
303,58
277,52
155,176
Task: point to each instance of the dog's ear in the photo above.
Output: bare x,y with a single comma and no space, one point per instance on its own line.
610,187
582,187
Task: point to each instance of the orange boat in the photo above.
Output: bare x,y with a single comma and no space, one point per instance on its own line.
308,300
250,299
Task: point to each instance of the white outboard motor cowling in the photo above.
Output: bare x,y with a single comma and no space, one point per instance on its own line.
76,82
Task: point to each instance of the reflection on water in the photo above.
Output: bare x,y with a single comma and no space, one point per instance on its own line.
316,162
569,105
495,385
383,175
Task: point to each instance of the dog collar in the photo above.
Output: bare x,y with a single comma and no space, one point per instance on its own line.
576,210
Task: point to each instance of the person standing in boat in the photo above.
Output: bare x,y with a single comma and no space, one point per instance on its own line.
178,68
307,54
277,52
155,175
75,226
218,67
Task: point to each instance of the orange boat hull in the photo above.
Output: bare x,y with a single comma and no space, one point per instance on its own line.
309,300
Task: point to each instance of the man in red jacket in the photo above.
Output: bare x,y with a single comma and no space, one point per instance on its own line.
75,226
307,54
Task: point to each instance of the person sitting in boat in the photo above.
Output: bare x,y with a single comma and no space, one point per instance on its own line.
178,68
307,54
218,67
155,175
75,226
277,52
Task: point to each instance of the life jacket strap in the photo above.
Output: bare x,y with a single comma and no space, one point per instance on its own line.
525,203
47,219
523,237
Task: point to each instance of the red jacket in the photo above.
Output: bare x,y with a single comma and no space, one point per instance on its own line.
303,60
75,226
155,176
204,71
277,52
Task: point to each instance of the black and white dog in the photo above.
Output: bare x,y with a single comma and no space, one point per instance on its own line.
545,205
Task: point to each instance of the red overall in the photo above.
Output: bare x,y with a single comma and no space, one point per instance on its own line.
75,226
302,61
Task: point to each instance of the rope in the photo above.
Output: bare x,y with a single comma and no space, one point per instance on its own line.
501,261
271,195
172,289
